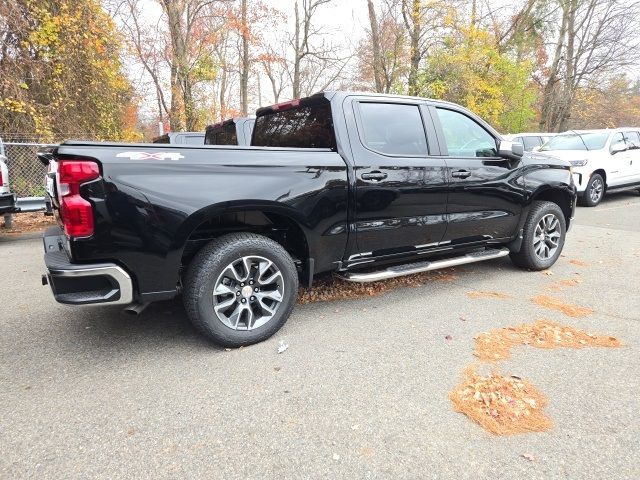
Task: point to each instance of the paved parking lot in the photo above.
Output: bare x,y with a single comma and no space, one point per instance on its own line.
360,393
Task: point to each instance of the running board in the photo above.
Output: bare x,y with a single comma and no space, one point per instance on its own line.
418,267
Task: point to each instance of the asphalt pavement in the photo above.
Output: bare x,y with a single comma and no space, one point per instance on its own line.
361,392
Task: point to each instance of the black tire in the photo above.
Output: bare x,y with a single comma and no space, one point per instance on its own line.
206,269
527,256
591,198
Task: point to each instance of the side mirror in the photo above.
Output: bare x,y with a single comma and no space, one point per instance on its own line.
510,150
618,147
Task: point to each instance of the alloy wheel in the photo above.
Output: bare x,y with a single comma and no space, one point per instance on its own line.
596,190
248,293
546,238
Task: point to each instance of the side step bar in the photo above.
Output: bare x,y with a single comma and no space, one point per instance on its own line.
418,267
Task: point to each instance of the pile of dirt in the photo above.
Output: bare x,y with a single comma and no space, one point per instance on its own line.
27,223
566,308
328,288
501,405
496,344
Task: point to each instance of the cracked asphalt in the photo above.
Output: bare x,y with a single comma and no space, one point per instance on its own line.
361,391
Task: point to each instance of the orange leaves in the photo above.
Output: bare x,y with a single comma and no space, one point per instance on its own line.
501,405
566,308
486,294
496,344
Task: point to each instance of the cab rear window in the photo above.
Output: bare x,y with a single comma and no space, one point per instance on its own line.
308,126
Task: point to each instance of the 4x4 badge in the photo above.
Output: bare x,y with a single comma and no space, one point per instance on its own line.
151,156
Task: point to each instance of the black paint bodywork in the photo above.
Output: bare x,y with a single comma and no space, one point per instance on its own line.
152,214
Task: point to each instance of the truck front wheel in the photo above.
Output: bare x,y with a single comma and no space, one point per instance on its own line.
240,289
543,239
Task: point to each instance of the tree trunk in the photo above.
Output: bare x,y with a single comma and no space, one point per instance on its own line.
375,44
298,54
244,72
550,91
415,34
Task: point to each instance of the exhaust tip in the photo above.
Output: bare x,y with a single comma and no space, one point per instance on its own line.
135,308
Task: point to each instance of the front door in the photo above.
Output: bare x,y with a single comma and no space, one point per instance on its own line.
401,188
486,192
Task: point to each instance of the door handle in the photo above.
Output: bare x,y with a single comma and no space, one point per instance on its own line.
461,174
376,176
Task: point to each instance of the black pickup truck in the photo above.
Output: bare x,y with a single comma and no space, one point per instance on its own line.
367,186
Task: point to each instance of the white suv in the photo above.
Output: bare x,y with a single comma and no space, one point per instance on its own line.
602,160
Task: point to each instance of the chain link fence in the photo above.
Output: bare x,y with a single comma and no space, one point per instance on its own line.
26,172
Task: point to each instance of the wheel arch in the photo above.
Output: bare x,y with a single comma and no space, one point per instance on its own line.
561,196
273,220
602,173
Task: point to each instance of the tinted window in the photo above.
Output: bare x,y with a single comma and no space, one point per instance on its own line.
308,126
393,129
161,139
530,143
464,136
222,135
633,139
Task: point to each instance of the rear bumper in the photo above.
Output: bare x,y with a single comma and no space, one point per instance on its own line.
83,284
7,202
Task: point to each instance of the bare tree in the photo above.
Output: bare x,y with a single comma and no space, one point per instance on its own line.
376,47
595,38
424,22
314,64
245,61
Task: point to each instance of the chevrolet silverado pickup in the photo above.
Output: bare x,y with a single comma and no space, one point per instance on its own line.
367,186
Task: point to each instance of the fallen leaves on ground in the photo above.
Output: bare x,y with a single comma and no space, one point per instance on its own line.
327,288
561,284
496,344
484,294
578,263
501,405
566,308
28,222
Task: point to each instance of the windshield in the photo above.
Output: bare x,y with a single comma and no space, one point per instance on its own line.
576,141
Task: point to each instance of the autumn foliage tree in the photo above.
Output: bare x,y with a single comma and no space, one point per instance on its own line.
60,72
471,70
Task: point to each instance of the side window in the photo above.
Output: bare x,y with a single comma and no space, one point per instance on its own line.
616,140
530,143
464,136
393,129
632,139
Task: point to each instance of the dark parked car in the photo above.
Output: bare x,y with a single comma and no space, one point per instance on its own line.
235,131
368,186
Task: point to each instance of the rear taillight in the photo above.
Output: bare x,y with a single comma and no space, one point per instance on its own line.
76,212
1,179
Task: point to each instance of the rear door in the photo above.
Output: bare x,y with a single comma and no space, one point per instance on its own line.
400,182
632,139
619,163
486,192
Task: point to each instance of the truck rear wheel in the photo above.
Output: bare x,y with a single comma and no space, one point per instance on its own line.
543,239
240,289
